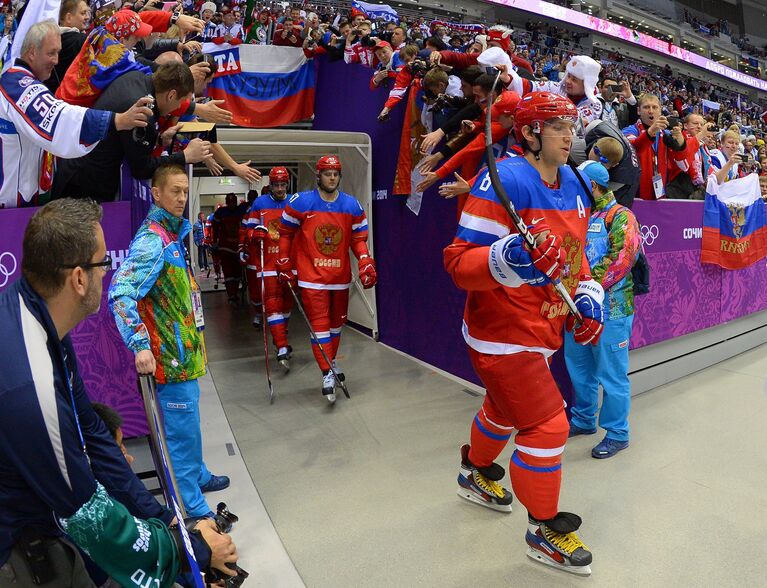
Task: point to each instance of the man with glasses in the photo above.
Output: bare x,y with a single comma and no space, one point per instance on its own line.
62,470
158,310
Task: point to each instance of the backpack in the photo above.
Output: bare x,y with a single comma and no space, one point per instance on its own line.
640,271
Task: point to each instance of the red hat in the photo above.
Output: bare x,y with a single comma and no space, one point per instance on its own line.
328,162
537,107
278,174
356,12
500,35
124,23
381,45
506,103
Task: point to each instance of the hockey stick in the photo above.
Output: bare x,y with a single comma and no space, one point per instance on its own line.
316,340
164,468
500,191
361,292
264,322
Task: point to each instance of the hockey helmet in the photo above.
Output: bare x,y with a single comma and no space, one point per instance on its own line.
536,108
328,162
505,104
278,174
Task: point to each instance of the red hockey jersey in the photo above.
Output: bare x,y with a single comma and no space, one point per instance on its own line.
265,211
500,320
323,233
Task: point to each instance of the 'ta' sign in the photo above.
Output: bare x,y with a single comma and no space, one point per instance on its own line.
227,62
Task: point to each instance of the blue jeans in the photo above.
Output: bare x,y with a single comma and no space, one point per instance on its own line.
606,363
180,402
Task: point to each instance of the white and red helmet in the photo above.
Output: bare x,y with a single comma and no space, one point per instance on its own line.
534,109
278,174
328,162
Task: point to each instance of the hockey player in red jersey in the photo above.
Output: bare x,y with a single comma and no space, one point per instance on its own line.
513,323
261,228
208,240
226,233
316,232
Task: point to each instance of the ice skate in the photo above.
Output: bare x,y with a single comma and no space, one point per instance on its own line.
339,373
555,543
256,322
283,358
480,485
329,387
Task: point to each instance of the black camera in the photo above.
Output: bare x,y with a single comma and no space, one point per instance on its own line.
368,41
419,67
224,519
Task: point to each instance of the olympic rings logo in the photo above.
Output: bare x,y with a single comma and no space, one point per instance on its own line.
649,234
7,267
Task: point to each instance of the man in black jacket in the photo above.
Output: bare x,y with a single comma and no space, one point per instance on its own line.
73,20
97,175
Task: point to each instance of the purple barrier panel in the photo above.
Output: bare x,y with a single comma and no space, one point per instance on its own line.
684,295
106,365
744,291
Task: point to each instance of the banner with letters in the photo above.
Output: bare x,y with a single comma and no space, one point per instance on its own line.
263,85
734,223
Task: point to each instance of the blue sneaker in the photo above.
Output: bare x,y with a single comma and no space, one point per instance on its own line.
215,484
575,430
608,448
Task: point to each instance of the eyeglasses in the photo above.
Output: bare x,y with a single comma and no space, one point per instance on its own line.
106,264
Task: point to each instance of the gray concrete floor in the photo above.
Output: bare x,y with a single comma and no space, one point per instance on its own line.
363,494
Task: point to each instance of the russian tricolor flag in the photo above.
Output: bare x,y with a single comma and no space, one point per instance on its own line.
734,223
263,85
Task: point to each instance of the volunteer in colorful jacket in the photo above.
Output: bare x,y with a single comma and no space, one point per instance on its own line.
158,310
613,243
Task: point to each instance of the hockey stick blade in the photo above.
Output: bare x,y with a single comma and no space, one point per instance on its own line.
314,338
500,191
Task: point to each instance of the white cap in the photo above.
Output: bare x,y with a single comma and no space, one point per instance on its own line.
585,68
208,6
495,56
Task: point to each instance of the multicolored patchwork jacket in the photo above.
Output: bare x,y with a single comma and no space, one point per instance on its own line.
612,248
151,298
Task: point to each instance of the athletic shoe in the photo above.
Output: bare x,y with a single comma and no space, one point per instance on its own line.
329,387
480,485
215,484
608,448
339,373
576,430
283,355
555,543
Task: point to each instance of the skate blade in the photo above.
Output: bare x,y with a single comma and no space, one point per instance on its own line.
541,557
331,398
471,497
285,365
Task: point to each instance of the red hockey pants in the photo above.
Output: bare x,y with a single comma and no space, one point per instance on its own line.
327,311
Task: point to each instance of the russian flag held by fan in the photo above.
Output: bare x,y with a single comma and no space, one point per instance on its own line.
734,223
263,85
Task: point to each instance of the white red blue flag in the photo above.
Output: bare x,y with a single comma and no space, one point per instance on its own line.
263,85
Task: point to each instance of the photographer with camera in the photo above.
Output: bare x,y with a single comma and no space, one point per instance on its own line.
288,35
618,112
408,73
729,163
360,44
62,471
389,64
97,175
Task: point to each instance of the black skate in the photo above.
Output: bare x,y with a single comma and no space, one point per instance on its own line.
555,543
329,387
283,358
339,373
480,485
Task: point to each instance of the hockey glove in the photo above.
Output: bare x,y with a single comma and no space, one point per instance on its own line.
512,263
367,268
259,233
546,254
588,300
284,269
